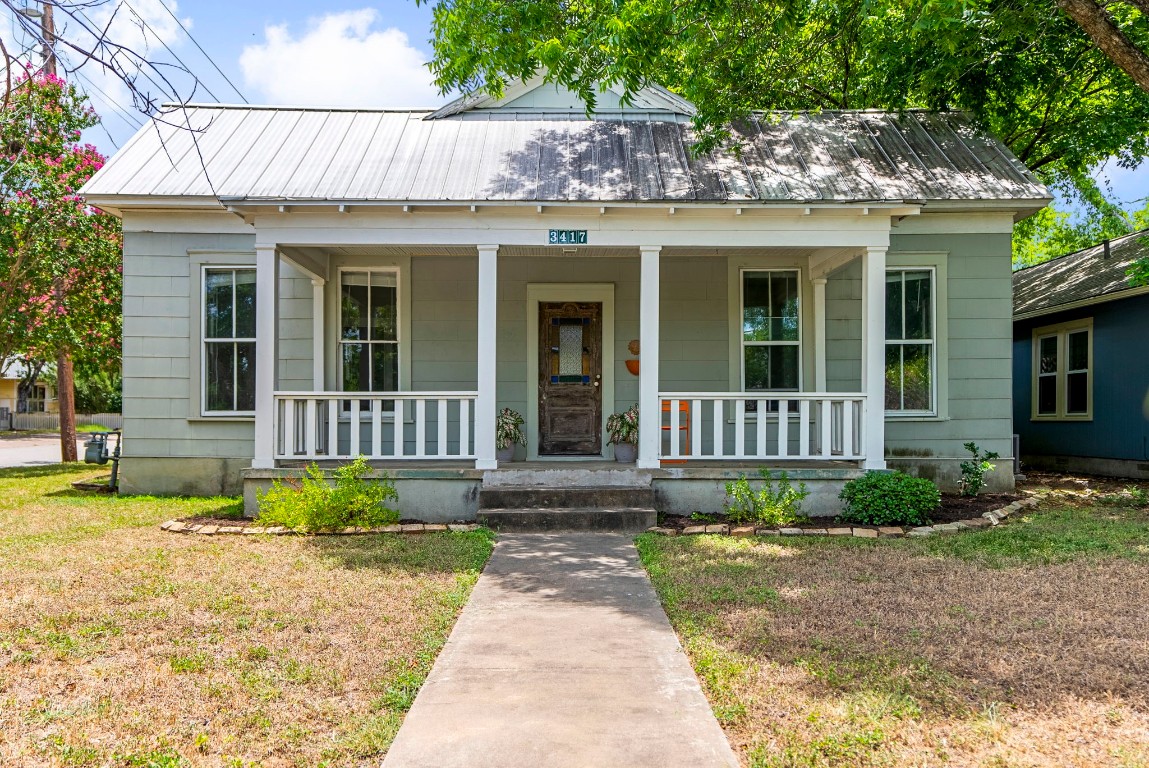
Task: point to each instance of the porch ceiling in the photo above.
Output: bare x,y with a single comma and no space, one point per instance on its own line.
321,253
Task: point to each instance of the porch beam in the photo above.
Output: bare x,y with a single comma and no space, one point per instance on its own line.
649,410
819,333
874,356
266,353
317,337
486,401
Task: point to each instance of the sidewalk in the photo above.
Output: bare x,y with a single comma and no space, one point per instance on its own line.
562,657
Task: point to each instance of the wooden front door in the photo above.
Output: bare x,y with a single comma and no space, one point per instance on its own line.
570,379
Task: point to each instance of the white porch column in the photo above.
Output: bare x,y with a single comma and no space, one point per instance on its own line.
318,351
649,410
485,403
266,353
874,356
819,334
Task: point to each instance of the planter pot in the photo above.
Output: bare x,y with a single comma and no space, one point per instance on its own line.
624,453
505,454
632,366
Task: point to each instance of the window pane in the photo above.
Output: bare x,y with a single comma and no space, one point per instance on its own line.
919,324
1077,393
772,367
1047,355
770,306
220,376
383,307
1079,351
385,368
245,376
245,303
894,305
894,377
1047,395
917,375
217,304
356,377
353,306
570,350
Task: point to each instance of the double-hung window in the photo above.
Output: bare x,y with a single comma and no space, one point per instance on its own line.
228,340
910,344
1062,367
369,330
771,332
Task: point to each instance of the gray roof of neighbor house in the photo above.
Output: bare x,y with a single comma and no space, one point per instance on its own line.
1089,275
301,154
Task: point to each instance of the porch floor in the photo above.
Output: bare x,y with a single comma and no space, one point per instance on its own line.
670,468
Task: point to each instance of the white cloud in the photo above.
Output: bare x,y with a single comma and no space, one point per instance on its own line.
342,59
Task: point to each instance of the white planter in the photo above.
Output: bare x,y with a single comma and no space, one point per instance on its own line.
624,453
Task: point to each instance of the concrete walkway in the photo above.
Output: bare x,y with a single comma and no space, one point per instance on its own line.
562,657
33,450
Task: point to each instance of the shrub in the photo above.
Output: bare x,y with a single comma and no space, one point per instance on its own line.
765,506
973,472
314,505
889,498
509,429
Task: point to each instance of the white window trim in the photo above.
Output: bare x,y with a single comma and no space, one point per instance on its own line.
204,340
933,342
399,337
742,333
1061,331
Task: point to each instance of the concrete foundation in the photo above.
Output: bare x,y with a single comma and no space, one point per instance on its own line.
946,473
182,476
1137,470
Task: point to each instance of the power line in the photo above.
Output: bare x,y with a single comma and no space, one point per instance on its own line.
151,29
205,53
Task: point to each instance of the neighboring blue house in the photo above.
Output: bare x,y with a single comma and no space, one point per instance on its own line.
1081,361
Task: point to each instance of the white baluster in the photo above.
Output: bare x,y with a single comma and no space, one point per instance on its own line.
740,428
464,428
760,428
420,428
783,428
719,440
441,444
847,428
353,444
332,428
827,434
288,432
804,447
696,428
376,428
397,425
674,418
310,427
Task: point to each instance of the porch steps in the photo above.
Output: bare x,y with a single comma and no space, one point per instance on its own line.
524,509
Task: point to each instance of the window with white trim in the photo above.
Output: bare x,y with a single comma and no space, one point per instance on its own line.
1063,368
910,343
771,330
369,330
228,340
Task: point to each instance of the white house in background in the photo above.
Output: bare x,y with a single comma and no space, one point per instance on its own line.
42,398
312,284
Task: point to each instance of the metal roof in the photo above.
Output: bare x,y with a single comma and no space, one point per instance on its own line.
298,154
1081,276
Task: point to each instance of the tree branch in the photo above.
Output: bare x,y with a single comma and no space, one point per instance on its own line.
1099,25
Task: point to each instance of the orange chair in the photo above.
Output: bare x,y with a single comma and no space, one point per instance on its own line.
683,426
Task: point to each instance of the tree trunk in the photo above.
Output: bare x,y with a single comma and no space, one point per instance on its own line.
66,396
1098,24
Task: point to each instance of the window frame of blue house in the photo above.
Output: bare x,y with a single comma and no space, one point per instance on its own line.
1061,335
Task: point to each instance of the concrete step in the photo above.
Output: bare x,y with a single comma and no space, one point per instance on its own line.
542,520
572,474
525,497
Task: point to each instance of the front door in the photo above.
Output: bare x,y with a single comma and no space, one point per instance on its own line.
570,379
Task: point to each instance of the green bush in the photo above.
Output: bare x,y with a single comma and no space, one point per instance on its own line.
765,506
314,505
973,472
889,498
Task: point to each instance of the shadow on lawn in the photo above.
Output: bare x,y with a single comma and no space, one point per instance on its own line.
41,470
434,553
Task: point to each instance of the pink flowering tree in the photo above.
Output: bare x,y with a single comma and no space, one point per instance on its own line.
60,258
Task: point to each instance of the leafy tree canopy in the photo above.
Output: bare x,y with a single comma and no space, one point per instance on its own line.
1026,70
60,267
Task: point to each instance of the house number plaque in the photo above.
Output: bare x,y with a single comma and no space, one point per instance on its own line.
566,237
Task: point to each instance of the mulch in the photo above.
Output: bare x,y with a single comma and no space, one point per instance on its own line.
953,508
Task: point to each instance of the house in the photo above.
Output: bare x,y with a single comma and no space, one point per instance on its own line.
310,284
40,399
1072,316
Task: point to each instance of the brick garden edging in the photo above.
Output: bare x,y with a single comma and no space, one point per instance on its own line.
209,529
987,520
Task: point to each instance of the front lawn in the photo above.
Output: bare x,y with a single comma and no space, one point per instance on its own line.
1026,645
124,645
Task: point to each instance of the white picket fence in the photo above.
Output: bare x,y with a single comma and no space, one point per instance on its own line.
51,421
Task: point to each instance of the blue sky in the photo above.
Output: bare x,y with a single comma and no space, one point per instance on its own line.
295,52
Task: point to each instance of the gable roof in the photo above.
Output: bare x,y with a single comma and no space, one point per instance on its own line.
1088,276
530,146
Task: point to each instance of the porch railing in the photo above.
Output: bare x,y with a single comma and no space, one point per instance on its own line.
747,426
391,425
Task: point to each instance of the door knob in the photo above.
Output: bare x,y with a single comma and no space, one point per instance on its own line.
596,383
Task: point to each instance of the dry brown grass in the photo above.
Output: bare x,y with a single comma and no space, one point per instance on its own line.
124,645
1025,646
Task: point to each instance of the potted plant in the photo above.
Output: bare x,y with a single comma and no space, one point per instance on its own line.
508,434
623,429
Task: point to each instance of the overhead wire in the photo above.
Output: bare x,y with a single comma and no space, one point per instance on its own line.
205,53
183,64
